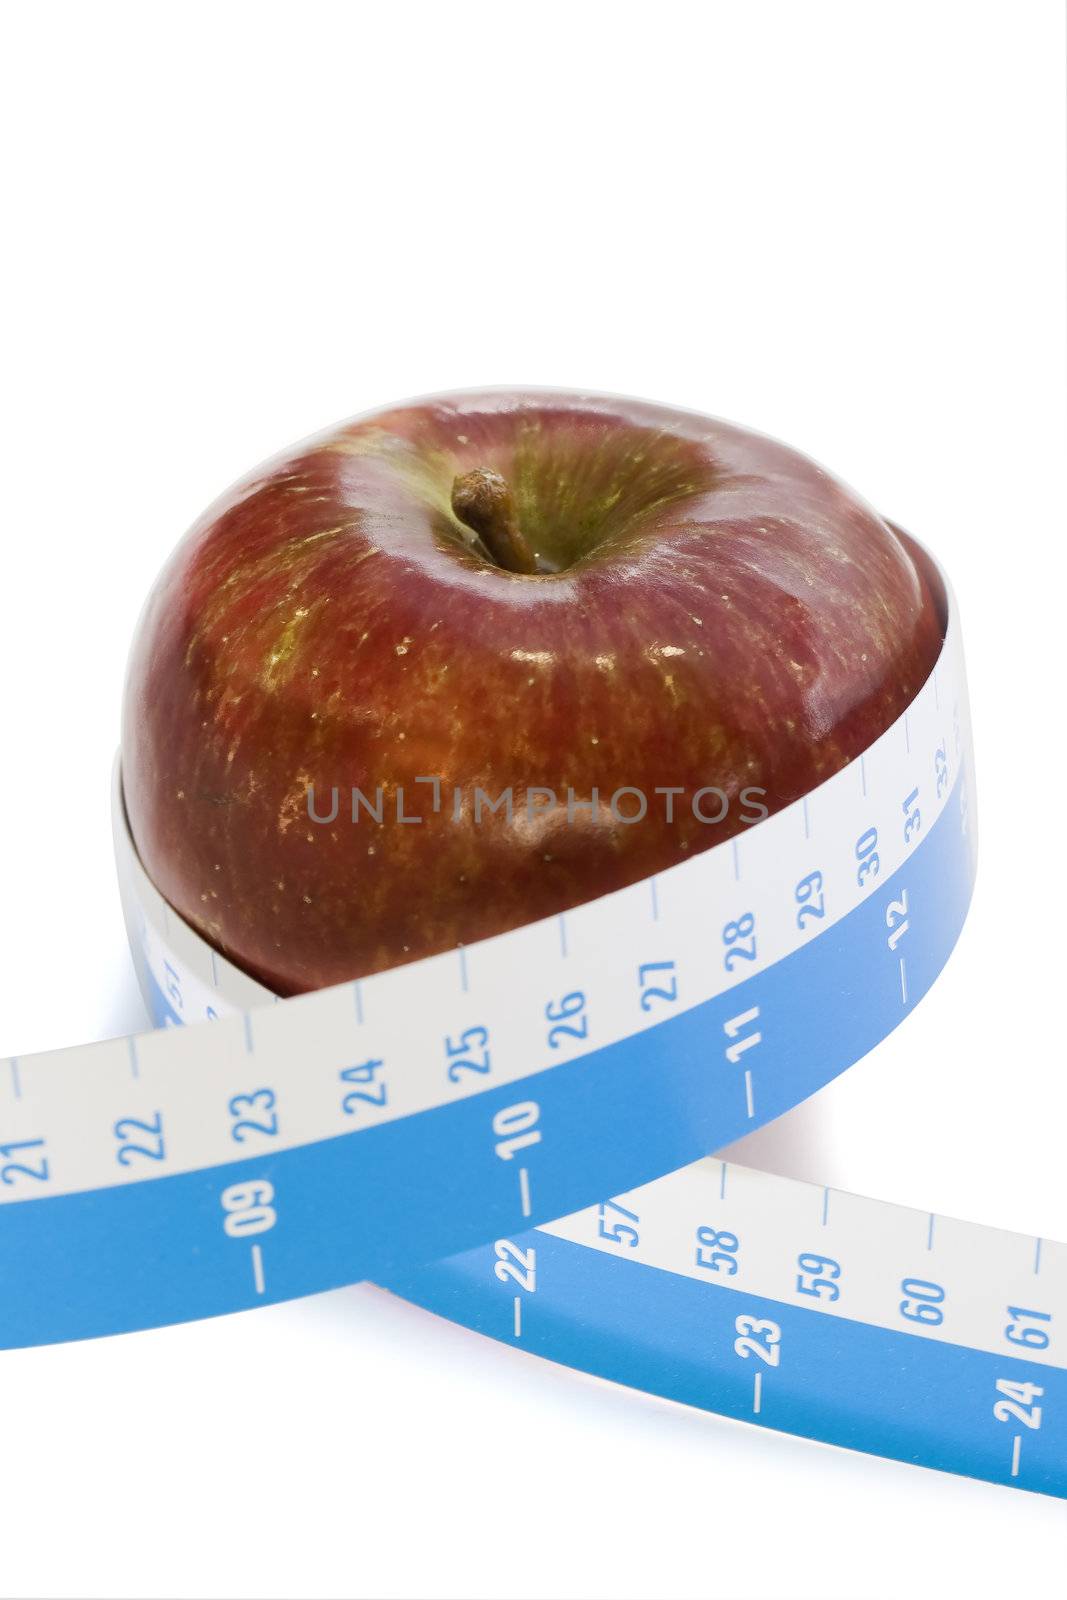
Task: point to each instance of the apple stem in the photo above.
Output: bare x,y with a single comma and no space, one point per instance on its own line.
483,501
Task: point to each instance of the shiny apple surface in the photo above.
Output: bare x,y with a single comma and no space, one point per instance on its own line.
714,625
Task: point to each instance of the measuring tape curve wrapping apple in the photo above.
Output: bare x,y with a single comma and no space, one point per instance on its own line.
426,1128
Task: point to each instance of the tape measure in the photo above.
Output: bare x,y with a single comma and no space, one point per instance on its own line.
428,1127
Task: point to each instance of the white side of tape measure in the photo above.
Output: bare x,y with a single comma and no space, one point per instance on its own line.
435,1112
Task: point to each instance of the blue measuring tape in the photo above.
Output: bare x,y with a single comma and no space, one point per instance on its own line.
515,1136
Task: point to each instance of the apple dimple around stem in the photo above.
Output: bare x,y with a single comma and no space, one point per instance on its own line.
483,501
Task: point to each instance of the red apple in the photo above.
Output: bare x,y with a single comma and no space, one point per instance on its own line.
508,593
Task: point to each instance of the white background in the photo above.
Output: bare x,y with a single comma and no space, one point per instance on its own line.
230,225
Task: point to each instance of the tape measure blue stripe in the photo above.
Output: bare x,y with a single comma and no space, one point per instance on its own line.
837,1318
428,1185
571,1208
839,1381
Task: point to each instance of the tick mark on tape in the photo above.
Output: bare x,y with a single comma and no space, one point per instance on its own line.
903,983
562,934
807,819
463,976
16,1081
357,996
825,1206
518,1317
524,1191
757,1393
863,776
249,1045
214,970
930,1233
135,1065
749,1107
907,734
655,900
1016,1446
257,1268
1037,1256
722,1181
937,697
737,860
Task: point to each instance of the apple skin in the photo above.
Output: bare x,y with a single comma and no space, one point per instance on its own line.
725,613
